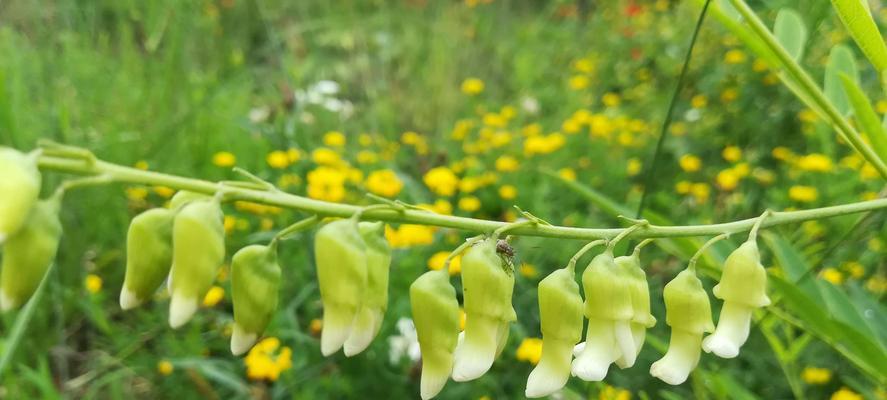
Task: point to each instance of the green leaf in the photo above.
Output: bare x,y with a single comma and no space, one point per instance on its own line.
21,323
840,60
791,33
858,20
866,116
793,264
842,309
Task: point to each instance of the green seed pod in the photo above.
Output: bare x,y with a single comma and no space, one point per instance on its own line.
743,288
375,302
436,316
183,197
342,275
148,256
255,281
688,313
560,312
487,286
608,306
198,251
29,252
640,303
20,186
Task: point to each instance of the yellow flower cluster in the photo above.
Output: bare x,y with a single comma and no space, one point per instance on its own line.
267,360
816,376
442,181
437,260
530,350
472,86
408,235
544,144
614,393
384,183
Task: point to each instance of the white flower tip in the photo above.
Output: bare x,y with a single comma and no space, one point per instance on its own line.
577,350
181,309
242,341
588,370
335,331
543,382
6,303
432,384
627,346
128,299
472,363
720,345
357,342
667,373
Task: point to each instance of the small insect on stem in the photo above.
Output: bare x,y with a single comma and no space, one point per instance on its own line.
503,248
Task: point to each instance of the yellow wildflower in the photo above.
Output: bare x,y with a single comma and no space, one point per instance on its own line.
213,296
611,99
507,192
614,393
634,167
507,164
472,86
163,191
732,153
690,163
759,65
734,57
845,394
678,128
816,376
441,180
700,192
141,164
528,270
729,94
567,173
803,194
266,362
579,82
533,129
165,367
728,179
815,163
543,144
334,139
782,153
699,101
277,159
854,269
409,235
366,157
683,187
876,284
325,156
832,276
315,326
325,183
584,65
224,159
384,183
93,283
469,204
530,350
436,262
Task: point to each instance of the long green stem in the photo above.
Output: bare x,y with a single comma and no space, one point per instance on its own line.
129,175
844,129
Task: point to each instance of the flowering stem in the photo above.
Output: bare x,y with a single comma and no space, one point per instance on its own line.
572,264
640,224
753,235
468,243
119,173
637,249
296,227
499,231
692,264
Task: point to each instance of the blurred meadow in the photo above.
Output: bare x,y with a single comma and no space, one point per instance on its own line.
465,107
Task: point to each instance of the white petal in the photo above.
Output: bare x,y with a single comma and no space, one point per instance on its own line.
432,381
577,350
181,309
639,333
476,353
337,323
242,341
625,341
553,370
128,299
732,331
363,331
600,351
680,359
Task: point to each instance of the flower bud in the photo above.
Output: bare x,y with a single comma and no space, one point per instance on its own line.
20,186
640,304
487,286
608,307
560,312
743,288
255,281
198,238
436,316
148,256
375,301
29,252
688,313
341,258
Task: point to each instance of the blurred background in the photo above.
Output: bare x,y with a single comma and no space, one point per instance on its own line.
469,108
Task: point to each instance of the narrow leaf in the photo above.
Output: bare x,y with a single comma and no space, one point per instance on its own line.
21,323
858,20
790,32
866,116
840,60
